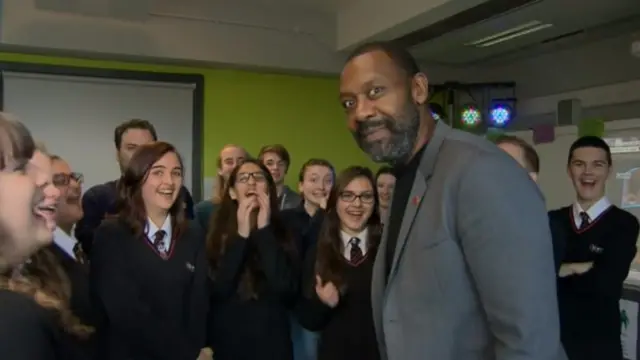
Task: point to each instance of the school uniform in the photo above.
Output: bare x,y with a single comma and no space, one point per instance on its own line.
204,211
346,331
28,331
150,292
305,231
100,201
304,228
256,328
76,266
603,241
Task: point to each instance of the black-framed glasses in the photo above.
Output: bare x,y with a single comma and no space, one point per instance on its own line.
365,198
63,179
257,176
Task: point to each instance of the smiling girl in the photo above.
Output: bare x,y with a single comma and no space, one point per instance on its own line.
337,275
148,269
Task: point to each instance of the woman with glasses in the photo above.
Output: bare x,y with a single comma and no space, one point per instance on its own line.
336,291
148,270
35,320
254,278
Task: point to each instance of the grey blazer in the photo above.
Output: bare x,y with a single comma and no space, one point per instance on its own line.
473,275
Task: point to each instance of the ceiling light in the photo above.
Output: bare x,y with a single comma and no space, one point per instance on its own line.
516,29
513,36
520,30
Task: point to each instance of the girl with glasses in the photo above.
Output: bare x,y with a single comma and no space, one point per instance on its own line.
254,278
336,276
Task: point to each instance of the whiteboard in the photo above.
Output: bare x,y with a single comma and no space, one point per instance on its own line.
75,117
553,178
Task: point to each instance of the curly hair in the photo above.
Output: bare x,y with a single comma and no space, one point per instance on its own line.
44,279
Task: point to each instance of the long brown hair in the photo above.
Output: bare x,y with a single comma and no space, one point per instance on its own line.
330,264
224,225
43,275
130,205
42,278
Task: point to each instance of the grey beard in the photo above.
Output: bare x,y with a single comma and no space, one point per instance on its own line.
399,148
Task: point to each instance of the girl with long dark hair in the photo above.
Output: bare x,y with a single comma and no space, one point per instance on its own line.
254,277
148,267
336,293
35,318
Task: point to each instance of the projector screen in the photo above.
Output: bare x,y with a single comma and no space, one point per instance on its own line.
75,117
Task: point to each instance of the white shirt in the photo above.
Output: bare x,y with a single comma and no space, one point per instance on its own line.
347,243
65,241
151,229
594,211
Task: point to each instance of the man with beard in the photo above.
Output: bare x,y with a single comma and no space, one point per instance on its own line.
465,270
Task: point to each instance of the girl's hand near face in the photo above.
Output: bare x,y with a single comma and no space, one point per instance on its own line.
264,213
245,208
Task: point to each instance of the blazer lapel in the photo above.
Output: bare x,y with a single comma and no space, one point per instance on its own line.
378,282
410,212
418,190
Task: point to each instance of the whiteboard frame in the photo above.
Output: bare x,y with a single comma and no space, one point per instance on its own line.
196,81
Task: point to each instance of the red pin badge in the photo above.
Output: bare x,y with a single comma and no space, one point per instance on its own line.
416,200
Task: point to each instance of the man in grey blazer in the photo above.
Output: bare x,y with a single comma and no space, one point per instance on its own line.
465,268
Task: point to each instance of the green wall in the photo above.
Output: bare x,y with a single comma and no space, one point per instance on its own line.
252,109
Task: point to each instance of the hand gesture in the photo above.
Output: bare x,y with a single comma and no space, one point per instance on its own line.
327,293
323,202
569,269
205,354
264,213
245,208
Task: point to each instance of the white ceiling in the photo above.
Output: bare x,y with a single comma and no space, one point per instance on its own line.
599,18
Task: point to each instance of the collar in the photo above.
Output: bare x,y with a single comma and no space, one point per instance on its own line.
425,158
594,211
363,236
151,228
402,169
65,241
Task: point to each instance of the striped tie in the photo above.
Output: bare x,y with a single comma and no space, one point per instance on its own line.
158,241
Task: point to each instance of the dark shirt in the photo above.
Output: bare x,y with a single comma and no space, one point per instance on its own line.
589,303
29,331
80,302
204,210
405,176
559,238
99,201
149,307
303,227
257,327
